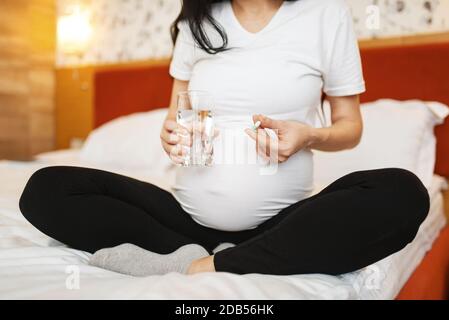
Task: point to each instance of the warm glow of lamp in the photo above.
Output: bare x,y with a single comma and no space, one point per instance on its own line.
74,31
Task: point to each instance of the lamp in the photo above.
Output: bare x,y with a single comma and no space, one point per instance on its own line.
74,31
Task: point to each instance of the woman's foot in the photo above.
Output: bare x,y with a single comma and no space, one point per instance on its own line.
133,260
202,265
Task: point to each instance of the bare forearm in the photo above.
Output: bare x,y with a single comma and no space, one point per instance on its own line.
342,135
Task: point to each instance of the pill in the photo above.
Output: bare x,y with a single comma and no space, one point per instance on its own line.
256,125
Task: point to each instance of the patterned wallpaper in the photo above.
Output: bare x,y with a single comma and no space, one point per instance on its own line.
128,30
399,17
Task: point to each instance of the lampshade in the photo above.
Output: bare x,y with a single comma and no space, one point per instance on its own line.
74,31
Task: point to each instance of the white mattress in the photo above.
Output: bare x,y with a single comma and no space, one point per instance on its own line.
33,266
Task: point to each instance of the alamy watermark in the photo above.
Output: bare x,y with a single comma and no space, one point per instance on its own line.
72,281
235,147
373,17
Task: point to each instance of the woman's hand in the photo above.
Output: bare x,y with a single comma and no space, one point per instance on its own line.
292,136
175,140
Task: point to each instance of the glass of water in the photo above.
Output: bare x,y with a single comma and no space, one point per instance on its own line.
195,114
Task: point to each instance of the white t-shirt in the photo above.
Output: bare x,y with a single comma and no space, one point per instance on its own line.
308,47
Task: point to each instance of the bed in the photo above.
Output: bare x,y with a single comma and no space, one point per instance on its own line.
34,266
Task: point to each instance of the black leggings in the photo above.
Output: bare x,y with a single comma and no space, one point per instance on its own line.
356,221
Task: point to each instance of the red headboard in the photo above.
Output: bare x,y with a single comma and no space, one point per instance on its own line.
124,91
411,72
400,72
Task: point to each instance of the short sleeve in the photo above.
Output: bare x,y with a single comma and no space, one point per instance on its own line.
183,54
343,75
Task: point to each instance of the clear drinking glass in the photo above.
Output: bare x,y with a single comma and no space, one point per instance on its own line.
195,114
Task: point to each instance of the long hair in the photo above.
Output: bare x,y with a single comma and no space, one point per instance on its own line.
196,13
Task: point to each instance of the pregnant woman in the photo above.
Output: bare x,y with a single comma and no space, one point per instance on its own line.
267,61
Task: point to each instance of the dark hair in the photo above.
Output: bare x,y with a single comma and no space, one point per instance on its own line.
195,13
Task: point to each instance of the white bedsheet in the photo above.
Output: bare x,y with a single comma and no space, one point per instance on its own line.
33,266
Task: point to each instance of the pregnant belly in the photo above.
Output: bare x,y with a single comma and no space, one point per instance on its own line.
240,197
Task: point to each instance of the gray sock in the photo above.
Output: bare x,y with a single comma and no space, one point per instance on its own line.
133,260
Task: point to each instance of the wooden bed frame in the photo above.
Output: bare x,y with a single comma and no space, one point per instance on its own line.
398,72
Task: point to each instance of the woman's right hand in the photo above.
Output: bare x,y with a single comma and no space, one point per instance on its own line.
175,140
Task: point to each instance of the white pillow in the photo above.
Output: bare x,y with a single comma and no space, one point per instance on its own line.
396,134
130,142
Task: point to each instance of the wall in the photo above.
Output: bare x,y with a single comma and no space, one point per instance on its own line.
128,30
401,17
125,30
27,46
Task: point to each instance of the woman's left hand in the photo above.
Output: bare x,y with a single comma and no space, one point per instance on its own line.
292,137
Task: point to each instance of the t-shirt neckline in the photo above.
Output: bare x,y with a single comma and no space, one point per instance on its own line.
239,26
